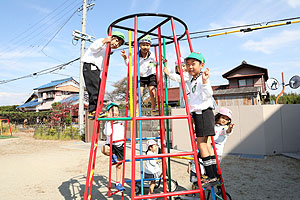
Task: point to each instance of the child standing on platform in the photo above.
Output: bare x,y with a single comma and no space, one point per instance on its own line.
147,70
176,77
201,105
223,128
152,168
116,129
93,64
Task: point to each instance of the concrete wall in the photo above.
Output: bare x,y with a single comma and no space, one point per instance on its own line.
264,130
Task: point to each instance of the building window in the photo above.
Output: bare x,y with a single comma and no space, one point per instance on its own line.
246,83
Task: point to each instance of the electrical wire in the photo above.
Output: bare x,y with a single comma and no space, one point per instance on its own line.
42,72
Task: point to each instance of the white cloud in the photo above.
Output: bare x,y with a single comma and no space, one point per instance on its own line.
293,3
269,44
7,98
40,9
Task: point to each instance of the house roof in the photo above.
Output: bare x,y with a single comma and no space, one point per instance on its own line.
54,83
242,90
30,104
70,99
244,64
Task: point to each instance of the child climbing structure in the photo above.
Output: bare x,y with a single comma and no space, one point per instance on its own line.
135,118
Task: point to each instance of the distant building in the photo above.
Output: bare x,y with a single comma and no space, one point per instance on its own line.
64,90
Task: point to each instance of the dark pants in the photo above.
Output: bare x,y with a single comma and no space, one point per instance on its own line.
92,83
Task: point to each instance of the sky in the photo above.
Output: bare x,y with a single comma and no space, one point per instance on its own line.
37,35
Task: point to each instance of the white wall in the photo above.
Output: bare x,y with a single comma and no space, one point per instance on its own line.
264,130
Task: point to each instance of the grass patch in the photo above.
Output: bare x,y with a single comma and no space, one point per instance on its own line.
6,137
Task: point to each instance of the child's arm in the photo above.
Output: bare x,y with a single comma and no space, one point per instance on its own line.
230,128
123,54
206,87
99,44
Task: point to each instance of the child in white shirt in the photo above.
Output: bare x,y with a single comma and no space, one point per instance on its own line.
152,168
116,129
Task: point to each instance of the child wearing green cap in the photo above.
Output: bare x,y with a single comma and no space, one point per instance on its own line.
147,63
201,105
116,130
93,63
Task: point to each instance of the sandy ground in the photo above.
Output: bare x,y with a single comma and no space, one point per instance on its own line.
38,169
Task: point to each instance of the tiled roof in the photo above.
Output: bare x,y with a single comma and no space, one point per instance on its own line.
242,90
70,99
30,104
54,83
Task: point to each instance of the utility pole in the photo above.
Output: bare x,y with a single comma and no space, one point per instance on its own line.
81,81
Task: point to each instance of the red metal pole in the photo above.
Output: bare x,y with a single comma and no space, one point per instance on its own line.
134,95
219,168
110,159
192,136
189,40
157,82
125,131
9,128
93,150
162,127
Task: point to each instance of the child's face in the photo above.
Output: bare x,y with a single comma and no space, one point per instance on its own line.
113,111
184,69
223,120
154,148
194,67
145,47
115,42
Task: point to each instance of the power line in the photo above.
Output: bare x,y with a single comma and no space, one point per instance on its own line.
42,72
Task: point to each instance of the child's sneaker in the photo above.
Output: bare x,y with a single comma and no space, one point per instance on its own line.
209,182
120,187
102,114
91,115
114,159
154,112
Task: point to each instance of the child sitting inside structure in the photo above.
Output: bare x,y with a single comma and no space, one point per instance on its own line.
116,130
152,168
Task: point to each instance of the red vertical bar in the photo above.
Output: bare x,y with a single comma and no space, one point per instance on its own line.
189,39
134,96
192,136
91,165
125,131
162,127
110,159
157,80
219,168
9,127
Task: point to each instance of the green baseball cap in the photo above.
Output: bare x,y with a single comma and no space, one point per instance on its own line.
111,105
146,39
118,34
197,56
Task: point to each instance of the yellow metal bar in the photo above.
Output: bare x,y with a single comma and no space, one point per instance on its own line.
183,157
255,28
130,83
91,175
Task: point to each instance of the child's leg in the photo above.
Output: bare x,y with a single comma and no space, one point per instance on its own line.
118,172
105,150
151,188
212,157
204,153
152,93
92,82
137,100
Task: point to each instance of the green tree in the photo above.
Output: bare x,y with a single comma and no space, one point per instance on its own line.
287,98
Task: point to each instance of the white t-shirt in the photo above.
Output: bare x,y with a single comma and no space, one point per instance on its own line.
95,54
220,138
147,65
201,95
152,167
118,134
